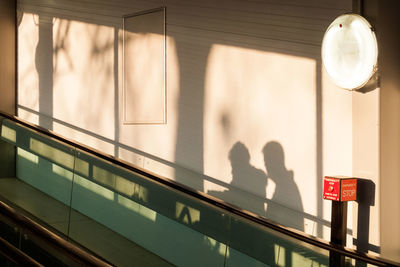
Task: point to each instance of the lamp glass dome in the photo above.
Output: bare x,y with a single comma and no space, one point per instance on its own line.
350,51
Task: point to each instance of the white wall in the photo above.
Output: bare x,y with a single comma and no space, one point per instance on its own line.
237,71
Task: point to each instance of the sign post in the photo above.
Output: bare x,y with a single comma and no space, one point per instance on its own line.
340,190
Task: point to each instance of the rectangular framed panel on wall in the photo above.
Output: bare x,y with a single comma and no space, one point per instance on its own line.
143,68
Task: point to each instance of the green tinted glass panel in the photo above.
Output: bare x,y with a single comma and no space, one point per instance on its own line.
156,219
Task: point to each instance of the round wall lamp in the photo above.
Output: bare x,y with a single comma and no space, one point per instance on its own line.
350,51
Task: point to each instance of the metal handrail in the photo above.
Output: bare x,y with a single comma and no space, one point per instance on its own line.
15,255
56,242
318,242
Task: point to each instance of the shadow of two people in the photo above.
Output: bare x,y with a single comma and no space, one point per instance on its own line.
255,181
248,181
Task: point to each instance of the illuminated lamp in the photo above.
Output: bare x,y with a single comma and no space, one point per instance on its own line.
350,51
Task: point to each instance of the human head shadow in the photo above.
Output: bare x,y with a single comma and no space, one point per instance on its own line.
247,190
248,186
287,194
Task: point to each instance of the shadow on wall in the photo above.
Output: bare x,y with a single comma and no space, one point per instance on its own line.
246,181
44,68
365,200
194,37
246,177
286,190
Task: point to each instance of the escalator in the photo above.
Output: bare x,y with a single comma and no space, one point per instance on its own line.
11,256
24,242
126,216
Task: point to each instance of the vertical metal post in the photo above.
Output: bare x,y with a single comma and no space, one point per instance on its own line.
338,232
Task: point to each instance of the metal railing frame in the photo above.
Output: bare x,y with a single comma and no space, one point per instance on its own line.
318,242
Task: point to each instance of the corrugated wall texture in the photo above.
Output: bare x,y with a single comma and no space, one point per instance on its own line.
251,116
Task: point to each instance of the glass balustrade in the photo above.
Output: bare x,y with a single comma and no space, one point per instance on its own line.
128,218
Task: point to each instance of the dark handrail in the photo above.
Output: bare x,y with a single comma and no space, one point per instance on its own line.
15,255
210,199
59,244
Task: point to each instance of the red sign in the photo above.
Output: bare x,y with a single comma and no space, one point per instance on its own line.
331,188
348,190
340,189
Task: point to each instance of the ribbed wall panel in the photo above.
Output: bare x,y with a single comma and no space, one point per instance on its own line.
201,35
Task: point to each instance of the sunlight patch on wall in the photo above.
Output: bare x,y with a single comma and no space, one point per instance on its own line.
310,226
256,97
28,78
155,139
159,168
337,132
83,137
143,51
144,101
214,186
326,232
28,116
84,88
86,78
131,156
